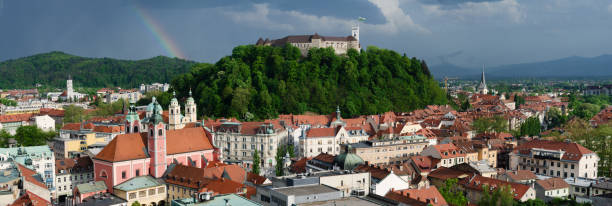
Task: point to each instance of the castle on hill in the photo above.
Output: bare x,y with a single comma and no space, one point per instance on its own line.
340,44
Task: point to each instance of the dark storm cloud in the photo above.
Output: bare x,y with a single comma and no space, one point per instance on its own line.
465,32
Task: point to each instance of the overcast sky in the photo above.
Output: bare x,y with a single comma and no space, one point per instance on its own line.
462,32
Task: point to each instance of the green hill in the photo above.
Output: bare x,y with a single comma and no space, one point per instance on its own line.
52,70
266,81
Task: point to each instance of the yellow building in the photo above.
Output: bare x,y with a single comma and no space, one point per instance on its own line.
76,143
144,189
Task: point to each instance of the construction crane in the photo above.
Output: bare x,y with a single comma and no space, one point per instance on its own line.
446,82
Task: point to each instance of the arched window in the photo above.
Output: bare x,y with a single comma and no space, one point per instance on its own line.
160,132
135,129
103,174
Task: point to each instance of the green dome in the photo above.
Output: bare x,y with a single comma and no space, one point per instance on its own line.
151,105
348,160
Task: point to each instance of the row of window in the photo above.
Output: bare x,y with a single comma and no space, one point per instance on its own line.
143,193
89,176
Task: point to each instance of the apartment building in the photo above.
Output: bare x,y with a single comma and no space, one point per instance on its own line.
396,150
555,159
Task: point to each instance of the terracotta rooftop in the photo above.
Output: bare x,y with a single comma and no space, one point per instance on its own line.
425,195
28,175
476,183
321,132
255,178
573,151
449,151
15,117
520,175
224,186
425,163
30,199
444,173
552,183
133,145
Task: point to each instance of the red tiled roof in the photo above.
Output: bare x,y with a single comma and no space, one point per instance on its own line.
28,174
321,132
255,178
235,172
107,129
52,112
428,195
132,146
449,151
224,186
299,166
324,157
476,183
552,183
573,151
187,176
30,199
519,175
72,126
425,162
444,173
15,117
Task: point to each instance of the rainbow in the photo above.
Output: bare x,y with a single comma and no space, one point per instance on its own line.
158,32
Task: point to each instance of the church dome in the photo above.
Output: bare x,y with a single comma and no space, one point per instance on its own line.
151,105
348,160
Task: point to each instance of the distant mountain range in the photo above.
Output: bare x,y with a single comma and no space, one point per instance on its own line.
570,67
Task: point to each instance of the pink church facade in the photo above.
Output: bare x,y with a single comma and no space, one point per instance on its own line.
141,152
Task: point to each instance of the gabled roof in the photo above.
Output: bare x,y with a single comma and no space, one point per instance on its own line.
29,176
444,173
449,151
321,132
30,199
256,179
573,151
553,183
225,186
427,195
133,145
476,183
425,163
519,175
15,117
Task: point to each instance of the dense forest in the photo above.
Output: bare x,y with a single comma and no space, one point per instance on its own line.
52,70
258,82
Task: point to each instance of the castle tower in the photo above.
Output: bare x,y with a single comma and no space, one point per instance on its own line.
132,120
69,90
190,109
156,144
482,87
355,31
174,118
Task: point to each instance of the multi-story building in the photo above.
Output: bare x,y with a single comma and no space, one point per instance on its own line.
71,172
154,87
320,140
37,158
74,139
238,141
551,188
556,159
448,154
143,189
396,150
305,42
130,95
477,151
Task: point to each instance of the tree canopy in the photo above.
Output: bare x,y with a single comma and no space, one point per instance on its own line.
52,69
265,81
27,136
